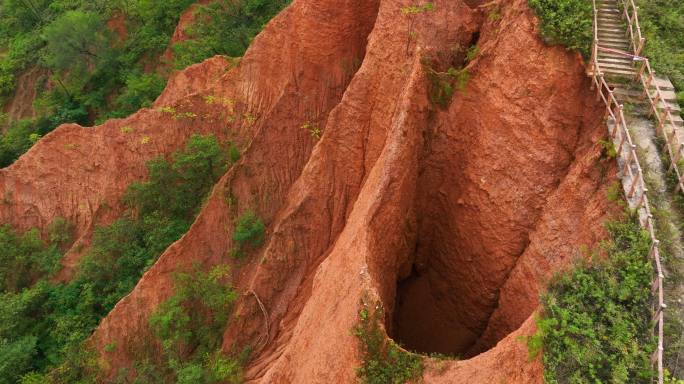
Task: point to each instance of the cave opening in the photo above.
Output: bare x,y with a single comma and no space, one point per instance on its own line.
428,322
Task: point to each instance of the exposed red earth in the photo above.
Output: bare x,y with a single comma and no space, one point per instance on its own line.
453,219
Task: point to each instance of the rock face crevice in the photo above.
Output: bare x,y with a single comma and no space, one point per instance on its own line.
453,218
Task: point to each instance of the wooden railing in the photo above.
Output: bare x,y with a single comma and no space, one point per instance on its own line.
634,29
662,116
632,172
646,76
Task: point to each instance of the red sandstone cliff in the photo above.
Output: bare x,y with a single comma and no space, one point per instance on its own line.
453,219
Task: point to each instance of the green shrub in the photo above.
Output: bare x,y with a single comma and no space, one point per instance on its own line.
189,326
383,361
233,153
173,188
566,22
96,75
249,230
26,258
140,91
225,28
443,84
62,316
596,320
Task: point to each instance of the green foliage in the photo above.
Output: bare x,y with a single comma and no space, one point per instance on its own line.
225,27
172,190
189,326
614,192
608,148
415,9
662,23
140,91
443,85
16,357
669,379
566,22
21,135
249,232
26,258
595,326
98,75
472,53
62,316
313,129
383,361
233,153
75,41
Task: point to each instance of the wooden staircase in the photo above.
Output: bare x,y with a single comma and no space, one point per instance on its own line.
631,92
612,35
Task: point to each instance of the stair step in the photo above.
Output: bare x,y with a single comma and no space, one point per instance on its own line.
608,64
678,121
623,46
612,23
619,53
612,39
663,83
615,56
610,19
616,60
617,69
613,31
613,42
620,34
674,107
608,9
628,93
618,72
670,96
624,87
612,26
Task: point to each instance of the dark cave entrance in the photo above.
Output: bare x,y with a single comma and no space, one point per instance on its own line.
420,322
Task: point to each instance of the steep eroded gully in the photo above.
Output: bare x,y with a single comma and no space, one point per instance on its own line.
493,165
452,218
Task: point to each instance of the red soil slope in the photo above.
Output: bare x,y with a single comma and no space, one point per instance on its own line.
452,219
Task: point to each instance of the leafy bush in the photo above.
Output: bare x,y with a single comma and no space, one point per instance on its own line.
596,321
96,75
189,326
566,22
225,27
140,91
383,361
22,134
26,258
172,189
62,316
249,230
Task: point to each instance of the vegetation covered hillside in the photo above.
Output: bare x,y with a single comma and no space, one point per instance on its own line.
596,325
102,59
